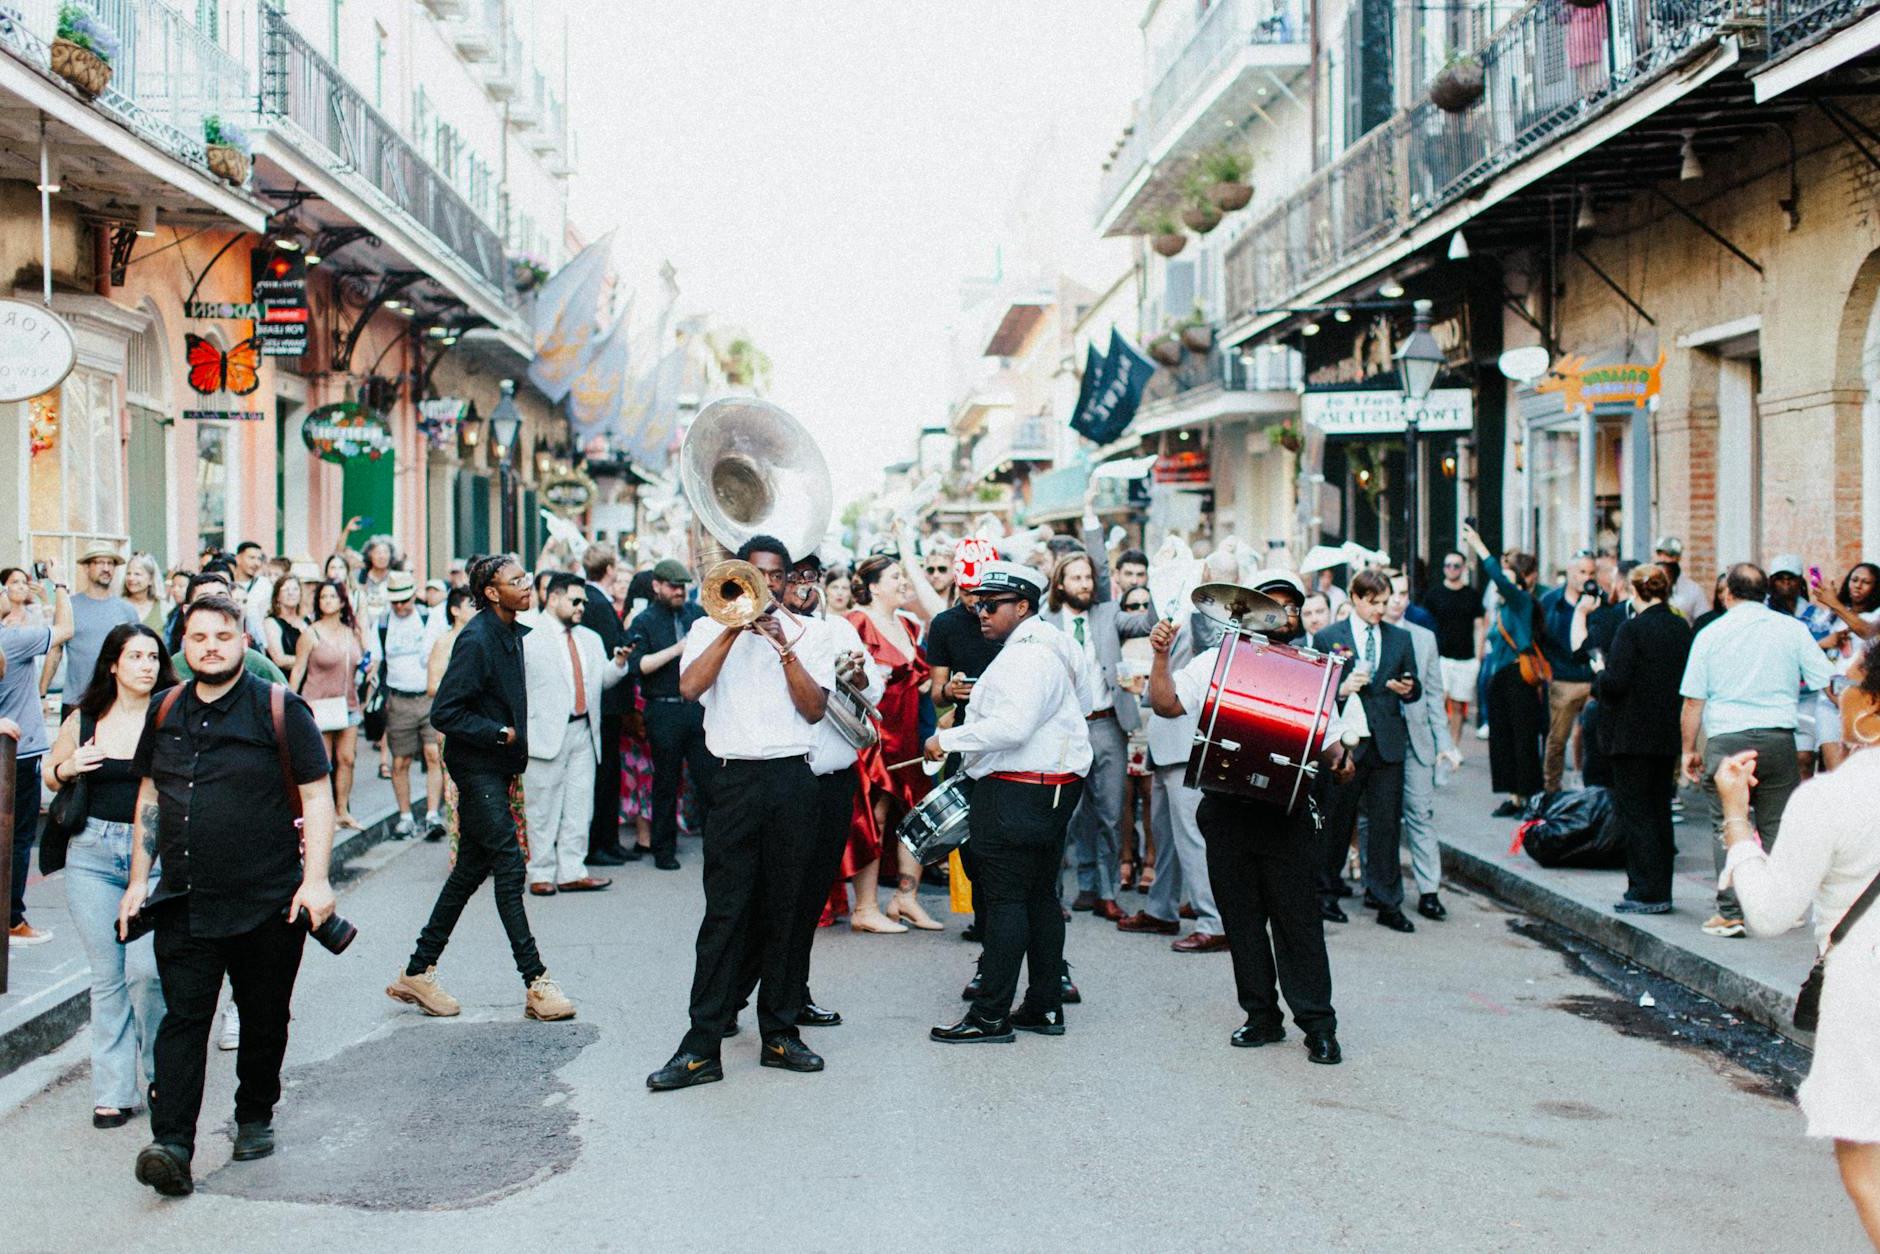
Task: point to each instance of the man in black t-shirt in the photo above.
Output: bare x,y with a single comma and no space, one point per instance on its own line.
958,652
1456,606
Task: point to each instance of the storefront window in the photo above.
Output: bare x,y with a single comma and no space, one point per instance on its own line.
212,485
76,472
1554,464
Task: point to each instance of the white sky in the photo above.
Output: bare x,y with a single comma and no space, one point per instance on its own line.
826,175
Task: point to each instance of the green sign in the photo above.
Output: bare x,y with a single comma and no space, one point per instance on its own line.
345,432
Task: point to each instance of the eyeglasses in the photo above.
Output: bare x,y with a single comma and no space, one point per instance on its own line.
803,576
520,581
986,607
577,602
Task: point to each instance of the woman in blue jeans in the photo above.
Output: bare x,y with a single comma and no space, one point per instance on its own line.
98,741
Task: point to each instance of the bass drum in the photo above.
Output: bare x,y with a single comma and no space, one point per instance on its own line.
1264,721
937,826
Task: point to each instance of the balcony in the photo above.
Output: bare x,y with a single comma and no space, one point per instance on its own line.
1547,75
526,109
1792,22
1242,54
447,8
502,77
478,35
552,129
1218,384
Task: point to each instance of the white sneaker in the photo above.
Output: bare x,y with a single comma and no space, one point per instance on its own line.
1481,733
23,933
231,1038
402,829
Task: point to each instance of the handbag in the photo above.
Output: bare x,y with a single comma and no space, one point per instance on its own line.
330,714
1536,670
69,812
374,718
1808,1002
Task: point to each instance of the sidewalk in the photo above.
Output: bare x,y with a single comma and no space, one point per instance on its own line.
1756,978
49,986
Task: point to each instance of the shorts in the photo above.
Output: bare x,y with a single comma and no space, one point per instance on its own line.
408,724
1459,676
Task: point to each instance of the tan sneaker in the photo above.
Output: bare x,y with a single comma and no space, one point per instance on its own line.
546,1000
424,992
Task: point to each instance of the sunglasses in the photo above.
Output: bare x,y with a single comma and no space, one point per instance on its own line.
986,607
938,570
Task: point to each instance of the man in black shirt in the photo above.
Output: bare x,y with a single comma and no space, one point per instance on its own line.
675,727
958,652
1456,605
215,806
598,617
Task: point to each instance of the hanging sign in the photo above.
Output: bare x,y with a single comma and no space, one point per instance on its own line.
1382,412
36,350
211,370
439,420
280,291
1583,387
345,431
568,494
243,311
223,415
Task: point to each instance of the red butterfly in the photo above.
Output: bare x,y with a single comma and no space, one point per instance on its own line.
212,370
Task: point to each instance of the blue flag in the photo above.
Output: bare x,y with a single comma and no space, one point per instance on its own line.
1112,401
566,320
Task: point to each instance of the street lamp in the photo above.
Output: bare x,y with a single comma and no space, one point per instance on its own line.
1419,361
505,425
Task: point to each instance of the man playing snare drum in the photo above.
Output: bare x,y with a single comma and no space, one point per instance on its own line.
1263,862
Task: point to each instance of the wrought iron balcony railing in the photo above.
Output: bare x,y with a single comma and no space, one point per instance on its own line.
1792,21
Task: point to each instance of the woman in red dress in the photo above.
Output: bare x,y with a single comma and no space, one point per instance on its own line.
892,779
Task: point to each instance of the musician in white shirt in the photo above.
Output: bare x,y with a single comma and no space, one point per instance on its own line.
763,688
1027,748
1262,862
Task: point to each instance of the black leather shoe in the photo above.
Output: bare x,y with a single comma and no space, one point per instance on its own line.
970,933
1322,1047
669,862
791,1054
1329,911
1430,906
974,987
1043,1022
631,853
606,857
1344,890
1394,920
165,1168
684,1070
1506,810
1252,1036
975,1031
1372,903
1069,994
731,1030
814,1016
253,1140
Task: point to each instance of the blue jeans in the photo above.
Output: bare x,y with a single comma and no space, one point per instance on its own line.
126,1000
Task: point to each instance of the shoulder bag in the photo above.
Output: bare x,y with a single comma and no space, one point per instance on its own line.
330,714
1536,671
69,812
372,696
1808,1002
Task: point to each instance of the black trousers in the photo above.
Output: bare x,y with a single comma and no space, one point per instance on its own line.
26,798
1596,767
604,827
486,849
1017,835
824,845
1642,789
1262,866
260,966
1377,790
1517,724
758,839
675,736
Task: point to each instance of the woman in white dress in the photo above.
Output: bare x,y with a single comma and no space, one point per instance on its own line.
1828,858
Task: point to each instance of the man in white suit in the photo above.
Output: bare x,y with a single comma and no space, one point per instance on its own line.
1430,745
566,669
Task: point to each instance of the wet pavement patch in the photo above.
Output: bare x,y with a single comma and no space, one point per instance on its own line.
431,1116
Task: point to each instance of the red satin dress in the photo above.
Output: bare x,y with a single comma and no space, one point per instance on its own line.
900,742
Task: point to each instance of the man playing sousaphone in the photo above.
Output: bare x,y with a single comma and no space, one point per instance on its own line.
1263,861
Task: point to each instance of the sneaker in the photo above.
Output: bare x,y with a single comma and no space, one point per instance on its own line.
546,1001
1628,906
433,825
231,1038
1717,925
24,933
1481,733
404,828
424,992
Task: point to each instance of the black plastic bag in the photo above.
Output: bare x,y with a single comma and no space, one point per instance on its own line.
1574,830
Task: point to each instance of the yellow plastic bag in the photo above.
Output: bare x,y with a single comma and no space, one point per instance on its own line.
959,888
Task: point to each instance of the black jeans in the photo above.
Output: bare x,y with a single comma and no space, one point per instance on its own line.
26,797
1017,834
1262,866
1642,788
1377,788
261,966
604,827
757,843
486,848
1517,723
675,736
824,844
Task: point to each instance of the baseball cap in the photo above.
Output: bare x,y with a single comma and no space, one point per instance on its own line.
970,556
1669,545
399,587
672,570
1786,564
996,578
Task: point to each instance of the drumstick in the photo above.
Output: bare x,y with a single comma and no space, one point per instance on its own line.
910,762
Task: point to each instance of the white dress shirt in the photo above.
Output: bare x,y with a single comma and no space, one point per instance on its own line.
1098,692
748,711
1028,708
1367,641
408,641
831,753
1193,680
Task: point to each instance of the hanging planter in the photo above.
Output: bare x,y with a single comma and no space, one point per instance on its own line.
1165,234
1287,436
1222,175
225,147
1201,217
1457,86
83,49
1167,350
1196,335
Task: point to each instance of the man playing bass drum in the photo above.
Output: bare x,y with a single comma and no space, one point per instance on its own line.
1263,862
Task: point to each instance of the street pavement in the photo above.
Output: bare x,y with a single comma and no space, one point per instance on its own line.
1493,1097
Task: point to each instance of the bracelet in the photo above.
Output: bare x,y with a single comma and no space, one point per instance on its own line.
786,656
1738,819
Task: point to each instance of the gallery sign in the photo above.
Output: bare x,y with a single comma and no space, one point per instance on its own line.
568,494
280,298
1583,387
345,431
1385,412
36,350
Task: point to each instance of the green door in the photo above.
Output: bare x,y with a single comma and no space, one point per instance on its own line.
148,483
369,495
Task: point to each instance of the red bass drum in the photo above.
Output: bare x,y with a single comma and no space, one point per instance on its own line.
1264,721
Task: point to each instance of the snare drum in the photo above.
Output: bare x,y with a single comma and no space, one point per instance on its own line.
937,826
1263,722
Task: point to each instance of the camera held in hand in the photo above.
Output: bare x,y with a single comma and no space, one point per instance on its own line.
335,934
1591,589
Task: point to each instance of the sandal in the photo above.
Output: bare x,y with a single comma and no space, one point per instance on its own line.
1128,880
111,1116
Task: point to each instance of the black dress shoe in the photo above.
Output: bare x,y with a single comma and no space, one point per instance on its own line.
1253,1035
731,1030
974,987
1430,906
1322,1047
814,1016
1394,920
972,1030
684,1070
606,857
1372,903
1329,911
1043,1022
970,932
1084,901
631,853
666,862
1344,890
1068,993
253,1140
165,1168
1506,810
790,1054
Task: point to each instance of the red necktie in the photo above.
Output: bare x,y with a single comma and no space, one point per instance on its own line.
580,685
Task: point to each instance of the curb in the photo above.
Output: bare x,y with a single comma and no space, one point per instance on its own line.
1760,1003
67,1006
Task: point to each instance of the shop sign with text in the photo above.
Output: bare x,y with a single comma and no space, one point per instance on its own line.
568,495
343,432
36,350
280,291
1382,412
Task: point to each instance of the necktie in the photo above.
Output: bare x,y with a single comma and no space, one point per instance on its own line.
580,685
1077,629
1370,647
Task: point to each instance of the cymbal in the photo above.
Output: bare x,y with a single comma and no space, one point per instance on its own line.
1240,607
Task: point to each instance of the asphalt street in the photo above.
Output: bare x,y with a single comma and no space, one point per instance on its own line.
1495,1096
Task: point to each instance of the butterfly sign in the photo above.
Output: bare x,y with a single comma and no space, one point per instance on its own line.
211,370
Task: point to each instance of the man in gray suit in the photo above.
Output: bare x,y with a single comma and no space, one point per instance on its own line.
1430,743
1080,606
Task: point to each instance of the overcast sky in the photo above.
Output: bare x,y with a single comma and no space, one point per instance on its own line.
827,175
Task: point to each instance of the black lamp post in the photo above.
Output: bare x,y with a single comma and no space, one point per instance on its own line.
505,425
1418,362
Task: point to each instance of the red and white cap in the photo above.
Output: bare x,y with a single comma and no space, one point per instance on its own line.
969,560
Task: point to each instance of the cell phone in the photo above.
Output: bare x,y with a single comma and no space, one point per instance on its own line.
1472,523
139,924
39,571
1814,576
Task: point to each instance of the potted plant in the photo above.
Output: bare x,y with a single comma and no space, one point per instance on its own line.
1286,436
527,273
1195,333
1458,84
1165,234
1226,169
1166,349
1199,213
227,146
83,49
